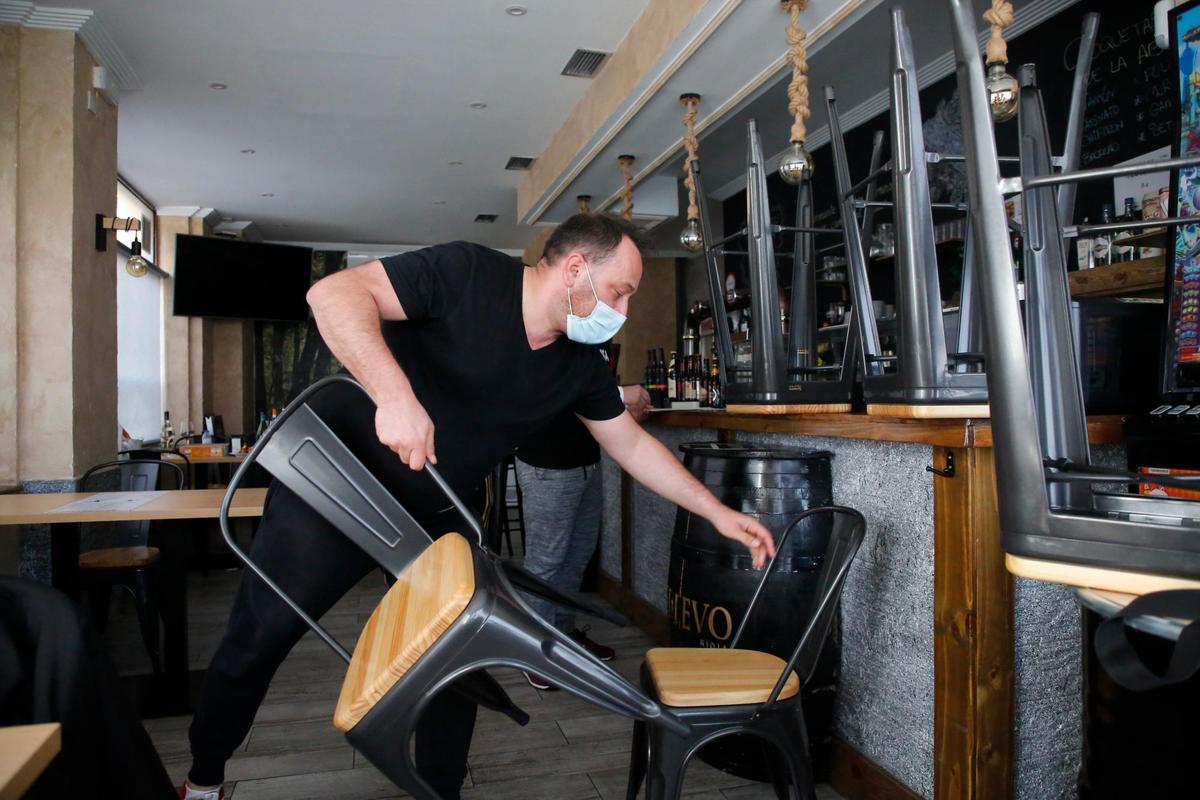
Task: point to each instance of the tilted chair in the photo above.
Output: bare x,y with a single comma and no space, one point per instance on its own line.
132,564
453,612
723,692
1053,523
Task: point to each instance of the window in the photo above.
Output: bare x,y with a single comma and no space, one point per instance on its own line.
139,328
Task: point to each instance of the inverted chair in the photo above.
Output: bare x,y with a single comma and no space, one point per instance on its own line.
1053,524
453,612
721,692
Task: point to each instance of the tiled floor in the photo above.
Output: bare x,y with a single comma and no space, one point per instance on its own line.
570,749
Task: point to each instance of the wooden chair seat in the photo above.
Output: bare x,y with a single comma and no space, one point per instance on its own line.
118,558
687,677
427,598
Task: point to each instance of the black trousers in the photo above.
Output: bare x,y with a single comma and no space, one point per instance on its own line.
315,564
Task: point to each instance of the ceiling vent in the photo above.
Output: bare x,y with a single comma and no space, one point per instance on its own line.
486,217
584,63
518,163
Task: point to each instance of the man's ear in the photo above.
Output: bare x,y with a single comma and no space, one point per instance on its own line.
572,268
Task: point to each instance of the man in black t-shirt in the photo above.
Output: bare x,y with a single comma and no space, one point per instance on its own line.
466,352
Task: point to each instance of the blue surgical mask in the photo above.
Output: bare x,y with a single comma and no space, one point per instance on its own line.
597,327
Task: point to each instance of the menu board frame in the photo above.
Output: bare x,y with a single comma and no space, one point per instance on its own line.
1181,351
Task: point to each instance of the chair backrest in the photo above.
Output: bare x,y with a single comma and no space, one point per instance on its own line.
128,475
847,530
425,600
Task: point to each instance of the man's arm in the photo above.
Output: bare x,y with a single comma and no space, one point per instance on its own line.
652,465
348,306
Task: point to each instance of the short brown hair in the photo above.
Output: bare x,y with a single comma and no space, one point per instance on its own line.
595,235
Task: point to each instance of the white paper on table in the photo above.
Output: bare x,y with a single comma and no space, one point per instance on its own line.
109,501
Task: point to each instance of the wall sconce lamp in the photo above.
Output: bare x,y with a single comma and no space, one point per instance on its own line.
137,266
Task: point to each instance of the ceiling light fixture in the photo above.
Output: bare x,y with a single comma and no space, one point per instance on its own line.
220,87
268,194
516,11
478,106
439,202
454,163
248,152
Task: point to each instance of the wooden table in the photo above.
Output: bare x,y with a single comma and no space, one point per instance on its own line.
25,751
183,504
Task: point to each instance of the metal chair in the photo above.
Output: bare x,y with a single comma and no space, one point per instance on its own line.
133,564
724,692
453,612
1049,511
923,377
776,377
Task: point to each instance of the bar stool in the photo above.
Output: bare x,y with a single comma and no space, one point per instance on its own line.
923,377
784,376
1054,524
721,692
453,612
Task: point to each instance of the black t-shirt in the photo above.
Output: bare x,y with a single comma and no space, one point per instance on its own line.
563,444
464,349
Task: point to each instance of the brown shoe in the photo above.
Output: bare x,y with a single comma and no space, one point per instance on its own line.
600,651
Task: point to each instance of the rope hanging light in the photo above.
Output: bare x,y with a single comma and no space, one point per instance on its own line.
625,164
797,165
584,202
1002,87
691,238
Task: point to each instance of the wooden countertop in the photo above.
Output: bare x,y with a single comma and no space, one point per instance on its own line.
32,509
938,432
25,751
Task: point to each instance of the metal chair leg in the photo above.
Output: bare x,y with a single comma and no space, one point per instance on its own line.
668,765
639,756
142,585
99,600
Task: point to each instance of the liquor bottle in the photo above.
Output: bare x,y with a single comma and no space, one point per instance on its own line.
689,386
697,366
672,379
647,380
1130,214
716,397
1102,244
167,437
702,381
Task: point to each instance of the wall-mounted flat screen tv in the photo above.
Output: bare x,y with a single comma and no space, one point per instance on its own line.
217,277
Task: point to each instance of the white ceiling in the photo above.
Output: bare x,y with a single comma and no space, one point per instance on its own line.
353,109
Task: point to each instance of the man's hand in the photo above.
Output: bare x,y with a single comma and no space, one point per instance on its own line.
750,532
406,429
637,401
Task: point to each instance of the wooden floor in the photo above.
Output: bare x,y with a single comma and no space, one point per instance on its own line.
570,749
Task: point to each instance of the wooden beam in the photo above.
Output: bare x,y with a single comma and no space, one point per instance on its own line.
973,634
1145,275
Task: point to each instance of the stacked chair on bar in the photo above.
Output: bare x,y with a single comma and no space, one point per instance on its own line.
1055,524
778,382
922,378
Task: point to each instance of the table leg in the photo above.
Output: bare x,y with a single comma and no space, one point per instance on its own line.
172,604
64,558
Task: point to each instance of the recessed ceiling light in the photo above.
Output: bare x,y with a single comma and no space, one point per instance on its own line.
439,202
478,106
454,163
268,194
486,217
220,87
516,11
248,151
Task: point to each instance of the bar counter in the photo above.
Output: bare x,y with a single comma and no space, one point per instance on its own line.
956,680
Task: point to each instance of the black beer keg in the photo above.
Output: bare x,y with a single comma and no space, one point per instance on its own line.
711,578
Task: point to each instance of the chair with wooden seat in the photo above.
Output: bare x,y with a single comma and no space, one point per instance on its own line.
726,692
130,562
454,612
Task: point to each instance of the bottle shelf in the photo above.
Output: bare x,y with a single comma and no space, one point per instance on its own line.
1145,276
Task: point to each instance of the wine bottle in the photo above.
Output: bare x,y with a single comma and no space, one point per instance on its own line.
167,437
672,378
